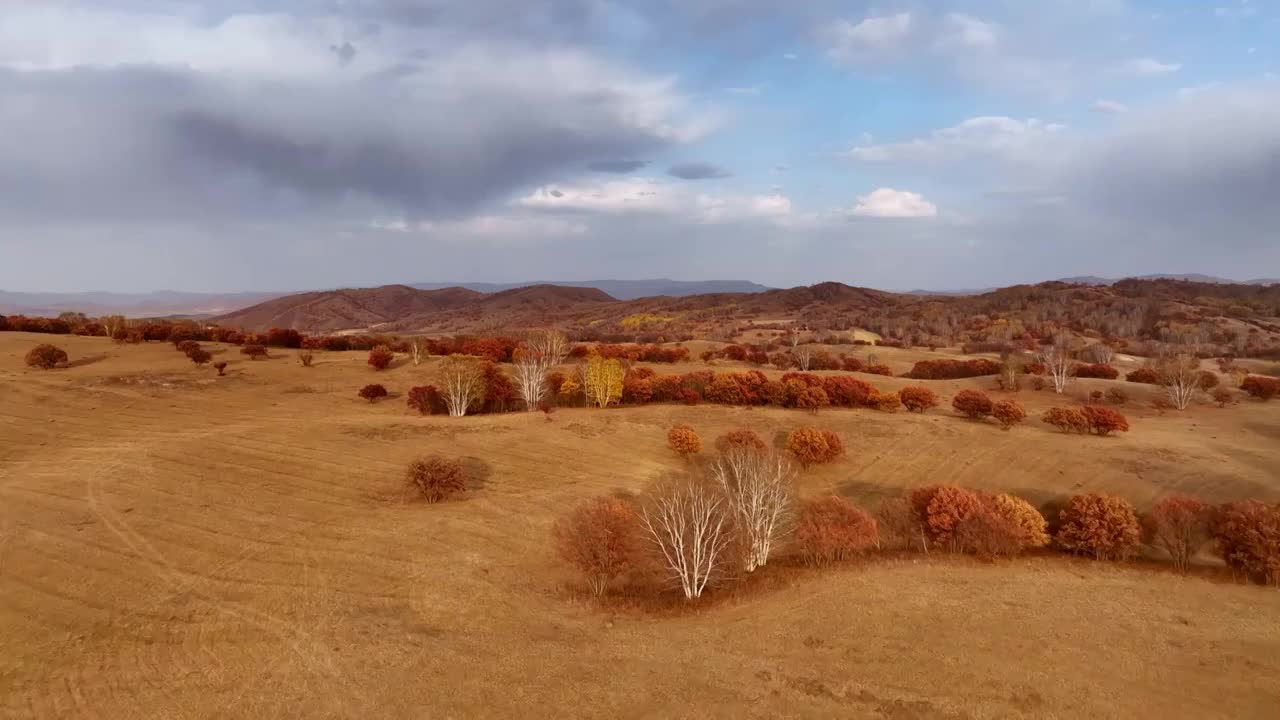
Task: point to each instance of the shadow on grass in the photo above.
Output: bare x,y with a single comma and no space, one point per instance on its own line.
86,360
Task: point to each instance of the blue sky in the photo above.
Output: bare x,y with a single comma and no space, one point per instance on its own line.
275,144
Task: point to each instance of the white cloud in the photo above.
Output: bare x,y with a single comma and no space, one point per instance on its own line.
488,227
1148,67
1110,106
965,31
890,203
868,39
980,136
655,197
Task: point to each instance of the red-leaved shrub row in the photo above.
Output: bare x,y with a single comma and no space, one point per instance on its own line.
635,353
1103,372
953,369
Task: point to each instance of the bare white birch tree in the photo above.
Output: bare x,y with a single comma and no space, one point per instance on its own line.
112,324
540,351
417,349
1057,358
461,383
690,523
757,486
804,356
1180,376
1102,353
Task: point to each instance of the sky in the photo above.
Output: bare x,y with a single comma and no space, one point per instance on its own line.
282,144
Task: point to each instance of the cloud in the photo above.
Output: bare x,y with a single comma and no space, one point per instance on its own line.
969,32
1149,67
979,138
616,166
1110,106
890,203
752,90
872,38
697,171
654,197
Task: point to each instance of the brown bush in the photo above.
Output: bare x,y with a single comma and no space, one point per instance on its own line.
973,404
1008,413
186,346
1222,396
427,400
940,508
436,478
1032,528
380,357
1261,388
1038,383
372,393
1103,526
1104,420
306,357
878,369
1248,539
888,402
46,357
988,535
1104,372
684,440
1146,376
1116,396
199,355
811,446
1206,380
601,539
918,399
254,351
221,367
812,399
1180,525
741,438
832,528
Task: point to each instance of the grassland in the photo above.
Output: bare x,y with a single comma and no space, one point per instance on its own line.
178,545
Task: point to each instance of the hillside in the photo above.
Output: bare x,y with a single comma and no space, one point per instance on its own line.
333,310
620,289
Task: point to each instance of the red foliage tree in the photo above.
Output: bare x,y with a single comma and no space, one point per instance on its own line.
812,446
46,357
1104,420
1067,419
372,393
684,440
199,355
1262,388
1248,539
918,399
601,539
973,404
848,391
436,478
878,369
1103,526
812,399
283,338
1008,413
953,369
831,528
380,357
940,509
427,400
1146,376
1180,524
988,534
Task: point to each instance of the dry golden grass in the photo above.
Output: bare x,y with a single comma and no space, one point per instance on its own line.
178,545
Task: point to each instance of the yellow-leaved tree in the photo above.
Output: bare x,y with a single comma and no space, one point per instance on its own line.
602,380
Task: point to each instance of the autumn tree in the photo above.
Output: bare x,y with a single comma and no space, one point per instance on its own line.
1104,420
1103,526
811,446
684,440
305,358
757,486
46,357
973,404
689,523
831,528
380,357
602,380
417,350
1008,413
436,478
1032,527
601,538
1180,377
1247,534
461,384
740,438
917,398
1067,419
114,325
221,367
1262,388
1102,353
255,351
540,351
372,392
199,356
1057,360
1180,525
940,509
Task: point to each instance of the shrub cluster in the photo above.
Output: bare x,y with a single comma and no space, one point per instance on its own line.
373,392
635,353
973,404
831,528
684,440
1146,376
1100,371
953,369
46,357
435,478
1261,387
811,446
918,399
1096,419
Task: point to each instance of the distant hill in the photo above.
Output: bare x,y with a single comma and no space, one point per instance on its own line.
621,289
1187,277
161,303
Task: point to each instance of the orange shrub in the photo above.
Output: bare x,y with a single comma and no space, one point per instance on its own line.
1008,413
1146,376
1067,419
1104,372
888,402
1104,420
380,357
46,357
601,538
1032,528
1262,388
1180,525
812,446
918,399
684,440
953,369
878,369
1248,539
436,478
812,399
988,535
741,438
831,528
973,404
940,510
254,351
1103,526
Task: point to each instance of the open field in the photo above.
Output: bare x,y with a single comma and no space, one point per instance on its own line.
178,545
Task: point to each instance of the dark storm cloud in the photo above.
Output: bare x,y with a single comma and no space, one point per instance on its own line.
697,171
